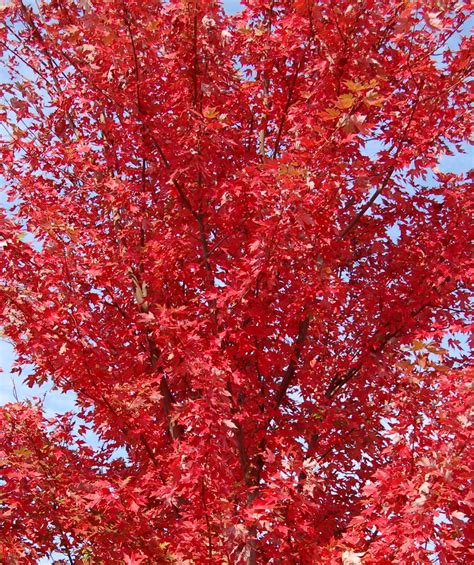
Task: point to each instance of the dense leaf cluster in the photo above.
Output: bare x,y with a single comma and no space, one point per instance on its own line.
233,239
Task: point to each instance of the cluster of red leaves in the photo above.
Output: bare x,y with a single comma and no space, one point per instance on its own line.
242,257
55,494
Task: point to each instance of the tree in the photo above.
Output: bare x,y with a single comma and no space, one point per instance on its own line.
230,236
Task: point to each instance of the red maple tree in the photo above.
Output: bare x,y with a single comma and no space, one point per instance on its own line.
243,258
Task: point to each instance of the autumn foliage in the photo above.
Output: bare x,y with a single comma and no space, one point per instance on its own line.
233,238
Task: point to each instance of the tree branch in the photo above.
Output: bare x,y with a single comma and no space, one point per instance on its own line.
291,369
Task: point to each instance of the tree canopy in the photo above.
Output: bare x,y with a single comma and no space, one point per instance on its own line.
233,238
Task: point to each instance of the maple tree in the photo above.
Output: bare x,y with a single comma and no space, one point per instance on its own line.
229,235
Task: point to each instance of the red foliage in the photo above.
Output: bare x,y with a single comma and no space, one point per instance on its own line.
242,257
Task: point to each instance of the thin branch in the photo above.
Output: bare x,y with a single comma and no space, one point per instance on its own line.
355,220
291,369
289,102
208,523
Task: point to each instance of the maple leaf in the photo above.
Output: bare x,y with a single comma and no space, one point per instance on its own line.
210,113
345,101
